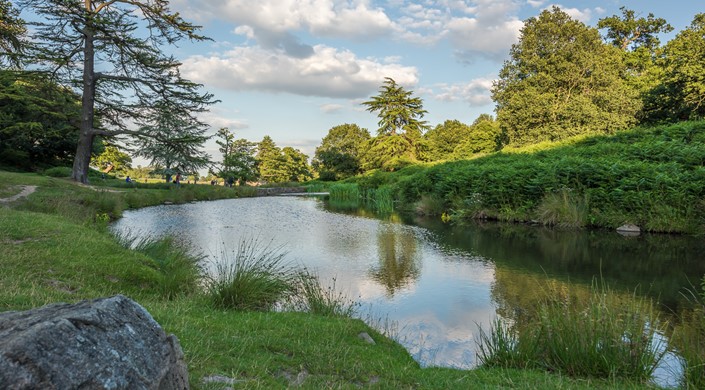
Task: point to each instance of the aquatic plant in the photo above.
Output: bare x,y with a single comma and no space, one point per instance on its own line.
344,192
606,337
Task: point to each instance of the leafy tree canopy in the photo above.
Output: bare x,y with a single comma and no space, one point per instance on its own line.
12,34
629,32
340,154
561,80
444,138
113,160
397,110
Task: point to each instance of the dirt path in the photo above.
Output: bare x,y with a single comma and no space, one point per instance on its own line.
26,191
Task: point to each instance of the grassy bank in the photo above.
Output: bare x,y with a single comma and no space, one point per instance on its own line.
651,177
55,248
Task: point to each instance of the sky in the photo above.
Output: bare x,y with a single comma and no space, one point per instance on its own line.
293,69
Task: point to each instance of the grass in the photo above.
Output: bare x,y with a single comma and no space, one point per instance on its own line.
312,298
689,341
62,254
604,337
254,277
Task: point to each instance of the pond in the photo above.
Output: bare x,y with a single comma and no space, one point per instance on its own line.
432,284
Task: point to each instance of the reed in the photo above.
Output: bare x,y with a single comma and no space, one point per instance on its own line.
564,209
344,192
314,298
605,337
688,340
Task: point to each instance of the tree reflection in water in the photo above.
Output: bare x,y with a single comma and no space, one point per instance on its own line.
398,258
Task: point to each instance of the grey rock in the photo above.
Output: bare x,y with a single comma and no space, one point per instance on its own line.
366,338
108,343
629,230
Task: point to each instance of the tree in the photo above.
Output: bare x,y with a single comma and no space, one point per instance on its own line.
561,80
110,51
12,34
397,110
270,161
172,140
484,137
398,142
629,33
239,163
680,95
295,165
444,138
113,159
340,154
38,121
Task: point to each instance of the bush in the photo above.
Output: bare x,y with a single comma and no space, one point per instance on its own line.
59,172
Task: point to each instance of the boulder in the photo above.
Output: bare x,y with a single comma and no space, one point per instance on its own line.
108,343
629,230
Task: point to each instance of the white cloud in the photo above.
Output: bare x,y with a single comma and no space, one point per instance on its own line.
476,92
331,108
327,72
535,3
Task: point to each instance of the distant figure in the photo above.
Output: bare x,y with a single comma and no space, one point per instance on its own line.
128,180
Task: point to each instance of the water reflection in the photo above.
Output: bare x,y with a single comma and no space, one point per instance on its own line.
398,258
438,282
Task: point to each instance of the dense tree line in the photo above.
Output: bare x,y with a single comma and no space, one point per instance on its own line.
562,78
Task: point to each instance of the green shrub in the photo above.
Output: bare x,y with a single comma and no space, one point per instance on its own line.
59,172
254,277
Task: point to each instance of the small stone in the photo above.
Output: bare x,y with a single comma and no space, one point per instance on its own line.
366,338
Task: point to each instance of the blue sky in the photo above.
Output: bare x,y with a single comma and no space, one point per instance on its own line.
293,69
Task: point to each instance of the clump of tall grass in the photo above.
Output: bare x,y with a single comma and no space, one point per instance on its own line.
253,277
689,341
430,205
313,298
344,192
604,337
564,209
180,271
381,199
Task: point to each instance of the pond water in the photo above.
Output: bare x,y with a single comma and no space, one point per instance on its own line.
436,282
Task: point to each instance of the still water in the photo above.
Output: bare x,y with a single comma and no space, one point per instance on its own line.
437,283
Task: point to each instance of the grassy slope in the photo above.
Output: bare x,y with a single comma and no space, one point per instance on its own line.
48,258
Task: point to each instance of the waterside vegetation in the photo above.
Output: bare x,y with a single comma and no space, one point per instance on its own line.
652,177
60,251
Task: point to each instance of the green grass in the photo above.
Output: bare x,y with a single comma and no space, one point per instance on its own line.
604,337
62,254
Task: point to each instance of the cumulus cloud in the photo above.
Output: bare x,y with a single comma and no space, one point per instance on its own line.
327,72
476,92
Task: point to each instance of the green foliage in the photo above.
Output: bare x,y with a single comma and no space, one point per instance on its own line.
652,177
679,95
239,163
628,32
112,157
603,336
254,277
398,111
12,34
173,140
485,137
688,340
390,153
561,80
58,172
37,121
340,154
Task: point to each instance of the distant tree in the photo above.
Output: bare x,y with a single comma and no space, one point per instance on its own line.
340,154
398,111
238,161
680,95
398,142
484,137
561,80
111,51
38,121
270,161
119,161
173,140
296,165
12,35
444,138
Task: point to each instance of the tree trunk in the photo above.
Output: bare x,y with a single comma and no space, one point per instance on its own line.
82,158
